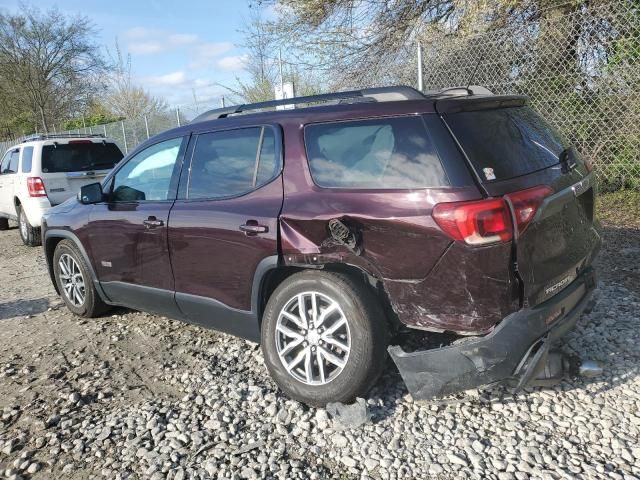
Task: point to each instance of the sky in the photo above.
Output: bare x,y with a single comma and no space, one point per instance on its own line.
177,47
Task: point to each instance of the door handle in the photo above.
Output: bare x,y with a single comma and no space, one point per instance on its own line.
152,222
253,228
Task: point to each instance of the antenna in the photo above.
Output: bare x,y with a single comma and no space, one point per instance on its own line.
473,74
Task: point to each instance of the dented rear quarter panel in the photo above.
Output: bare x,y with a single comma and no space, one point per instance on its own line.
432,283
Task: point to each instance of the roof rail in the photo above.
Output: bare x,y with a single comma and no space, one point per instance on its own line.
459,91
379,94
48,136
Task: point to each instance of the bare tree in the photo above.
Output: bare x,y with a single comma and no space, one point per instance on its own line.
262,66
368,42
49,64
125,98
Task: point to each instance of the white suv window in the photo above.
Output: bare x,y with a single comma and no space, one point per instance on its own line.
10,162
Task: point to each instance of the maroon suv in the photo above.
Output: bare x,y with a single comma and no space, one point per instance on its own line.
322,232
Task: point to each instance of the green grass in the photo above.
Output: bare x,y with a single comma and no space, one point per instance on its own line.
621,208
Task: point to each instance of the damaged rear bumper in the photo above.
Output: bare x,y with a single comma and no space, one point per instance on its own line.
515,351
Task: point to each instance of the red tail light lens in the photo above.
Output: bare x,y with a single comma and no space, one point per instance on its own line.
477,223
35,185
526,203
489,221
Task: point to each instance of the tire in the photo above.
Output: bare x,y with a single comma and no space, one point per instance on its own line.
30,235
86,302
366,337
4,224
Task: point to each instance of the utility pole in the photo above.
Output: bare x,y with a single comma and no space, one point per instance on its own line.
280,64
420,86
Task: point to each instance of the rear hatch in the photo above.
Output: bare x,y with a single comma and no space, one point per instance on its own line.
515,153
67,165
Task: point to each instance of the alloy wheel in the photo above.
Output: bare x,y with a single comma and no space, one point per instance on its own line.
313,339
71,279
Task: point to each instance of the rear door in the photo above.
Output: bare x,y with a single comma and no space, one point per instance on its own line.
224,224
514,151
8,170
67,165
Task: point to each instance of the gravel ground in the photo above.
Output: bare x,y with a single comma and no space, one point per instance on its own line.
133,395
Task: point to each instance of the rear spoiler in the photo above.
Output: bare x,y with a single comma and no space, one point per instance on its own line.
479,102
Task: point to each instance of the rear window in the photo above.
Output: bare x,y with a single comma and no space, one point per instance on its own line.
27,157
80,157
382,153
506,143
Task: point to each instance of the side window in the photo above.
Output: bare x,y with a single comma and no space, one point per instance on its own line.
4,166
10,162
269,163
224,163
147,176
382,153
27,158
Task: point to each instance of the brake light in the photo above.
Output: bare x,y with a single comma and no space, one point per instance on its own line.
488,221
76,142
35,185
477,222
526,203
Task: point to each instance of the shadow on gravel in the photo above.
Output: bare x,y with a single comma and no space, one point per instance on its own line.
19,308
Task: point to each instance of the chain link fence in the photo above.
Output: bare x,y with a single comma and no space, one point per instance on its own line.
580,70
130,132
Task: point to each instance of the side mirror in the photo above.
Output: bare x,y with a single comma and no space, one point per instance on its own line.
91,193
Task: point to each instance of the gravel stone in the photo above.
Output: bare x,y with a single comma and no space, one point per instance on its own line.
134,395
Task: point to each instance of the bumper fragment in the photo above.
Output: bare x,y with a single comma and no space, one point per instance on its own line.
517,350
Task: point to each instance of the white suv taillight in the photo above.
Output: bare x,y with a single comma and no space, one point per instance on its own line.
36,187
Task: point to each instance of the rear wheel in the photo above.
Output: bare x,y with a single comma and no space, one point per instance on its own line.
30,235
74,281
4,224
323,338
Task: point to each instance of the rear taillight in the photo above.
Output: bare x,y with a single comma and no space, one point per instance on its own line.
35,186
477,223
489,221
526,203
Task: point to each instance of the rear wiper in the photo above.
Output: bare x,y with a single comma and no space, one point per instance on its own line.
567,163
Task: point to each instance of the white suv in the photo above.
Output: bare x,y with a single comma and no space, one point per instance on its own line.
44,171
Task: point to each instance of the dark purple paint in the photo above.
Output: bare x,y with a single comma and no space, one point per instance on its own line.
431,282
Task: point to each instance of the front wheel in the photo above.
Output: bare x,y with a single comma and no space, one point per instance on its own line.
323,338
74,281
30,235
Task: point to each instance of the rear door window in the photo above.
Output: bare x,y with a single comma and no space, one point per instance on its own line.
13,162
80,156
386,153
232,162
507,142
27,159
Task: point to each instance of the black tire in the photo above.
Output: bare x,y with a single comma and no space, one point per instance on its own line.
30,235
4,224
92,306
367,327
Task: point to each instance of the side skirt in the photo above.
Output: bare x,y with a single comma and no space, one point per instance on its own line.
211,313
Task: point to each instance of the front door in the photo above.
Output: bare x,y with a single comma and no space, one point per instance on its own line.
8,169
128,233
224,224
